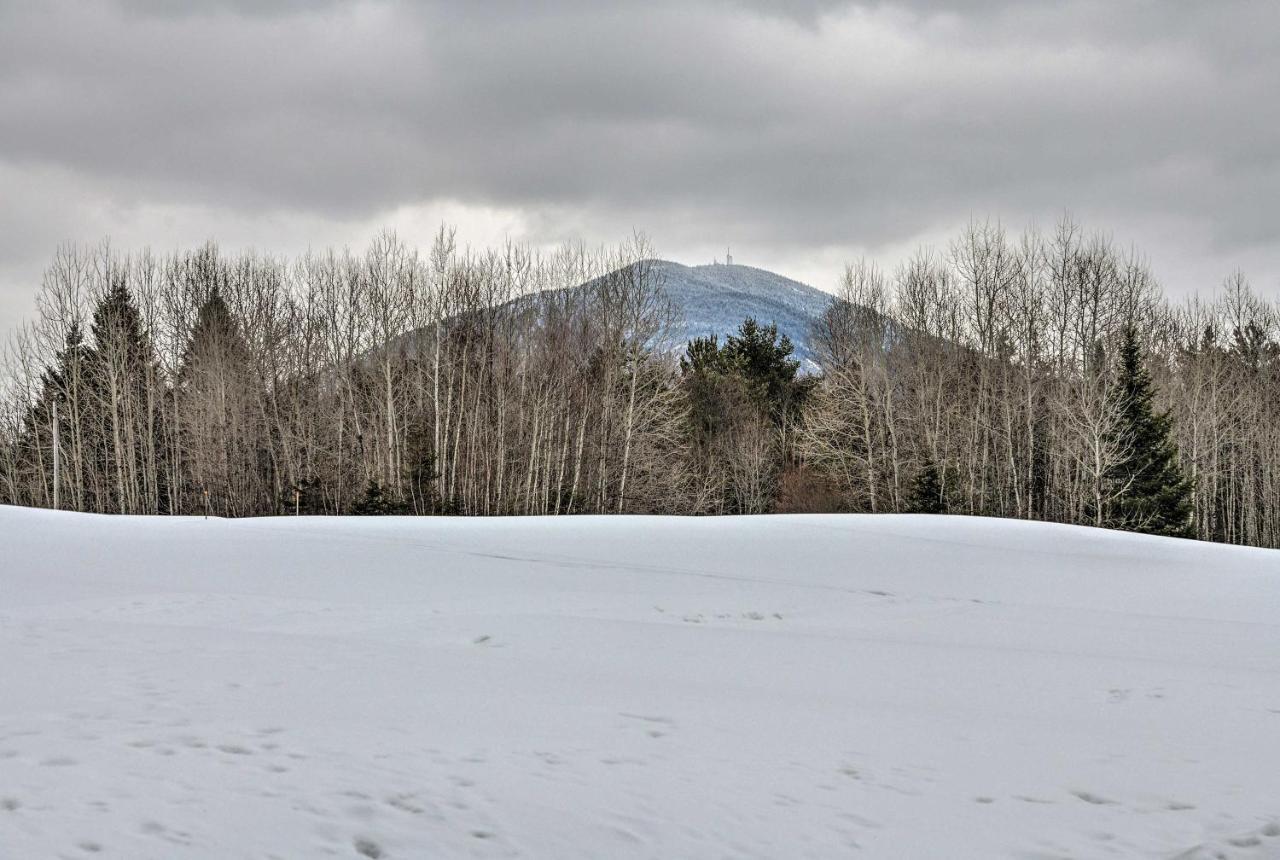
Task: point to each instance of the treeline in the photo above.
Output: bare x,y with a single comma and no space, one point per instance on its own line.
1034,376
1047,378
341,383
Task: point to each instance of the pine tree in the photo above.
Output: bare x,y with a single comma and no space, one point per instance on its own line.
712,391
756,361
764,362
1153,495
123,433
217,395
742,397
55,379
377,503
215,336
304,498
925,495
59,383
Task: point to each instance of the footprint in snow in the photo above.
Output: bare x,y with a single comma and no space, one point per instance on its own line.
1090,797
234,749
367,848
406,803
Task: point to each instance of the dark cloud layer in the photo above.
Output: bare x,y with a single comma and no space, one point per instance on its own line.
801,130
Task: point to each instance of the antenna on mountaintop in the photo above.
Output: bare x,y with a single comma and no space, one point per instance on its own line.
728,258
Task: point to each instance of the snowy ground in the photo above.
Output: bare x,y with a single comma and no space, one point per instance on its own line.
785,687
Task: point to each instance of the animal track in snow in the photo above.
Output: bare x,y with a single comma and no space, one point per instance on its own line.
367,848
1095,799
234,749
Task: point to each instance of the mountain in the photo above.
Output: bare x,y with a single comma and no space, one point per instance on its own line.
715,298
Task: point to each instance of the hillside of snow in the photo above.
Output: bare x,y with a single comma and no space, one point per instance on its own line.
804,686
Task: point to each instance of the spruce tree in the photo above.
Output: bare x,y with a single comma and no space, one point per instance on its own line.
378,503
708,385
756,361
763,361
123,432
120,337
57,377
740,393
925,494
219,437
60,380
1153,495
215,337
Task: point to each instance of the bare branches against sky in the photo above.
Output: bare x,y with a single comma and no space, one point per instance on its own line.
801,133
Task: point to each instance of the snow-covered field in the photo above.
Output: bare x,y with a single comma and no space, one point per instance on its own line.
817,686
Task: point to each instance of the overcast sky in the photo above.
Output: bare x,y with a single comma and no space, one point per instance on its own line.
804,134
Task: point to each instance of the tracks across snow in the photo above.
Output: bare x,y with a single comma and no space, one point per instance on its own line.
783,686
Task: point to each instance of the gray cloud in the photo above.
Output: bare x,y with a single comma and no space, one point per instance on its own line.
799,131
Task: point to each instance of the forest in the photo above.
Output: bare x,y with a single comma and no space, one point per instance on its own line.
1040,375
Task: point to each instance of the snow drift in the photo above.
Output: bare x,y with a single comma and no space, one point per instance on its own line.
810,686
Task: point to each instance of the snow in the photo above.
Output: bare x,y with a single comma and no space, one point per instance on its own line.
800,686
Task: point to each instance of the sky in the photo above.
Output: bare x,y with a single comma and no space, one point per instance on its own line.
802,134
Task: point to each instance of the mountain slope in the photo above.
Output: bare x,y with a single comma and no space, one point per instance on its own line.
788,686
714,299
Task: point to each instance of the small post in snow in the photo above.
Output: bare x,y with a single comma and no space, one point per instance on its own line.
57,458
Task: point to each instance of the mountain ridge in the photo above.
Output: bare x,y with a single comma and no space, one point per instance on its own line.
714,298
711,299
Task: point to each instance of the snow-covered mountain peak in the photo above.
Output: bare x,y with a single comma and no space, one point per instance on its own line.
715,298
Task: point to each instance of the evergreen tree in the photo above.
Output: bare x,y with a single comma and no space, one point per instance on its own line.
60,383
420,472
1153,495
56,379
742,397
925,494
117,324
712,389
217,395
215,336
756,361
305,498
764,362
377,503
123,430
